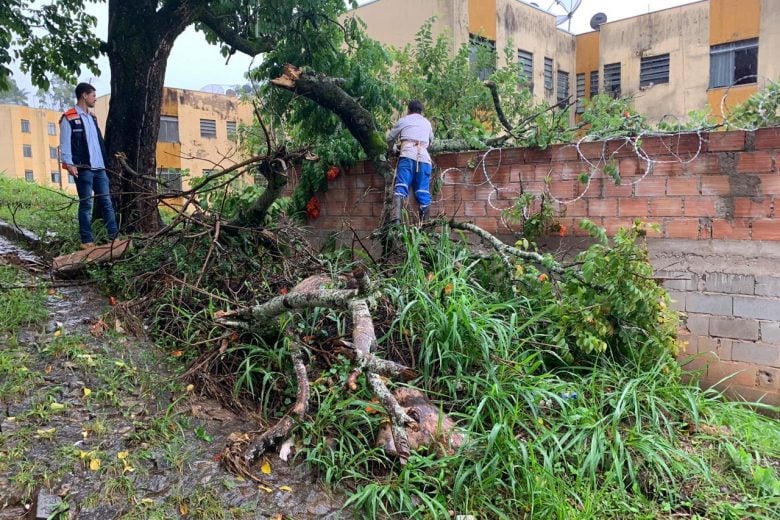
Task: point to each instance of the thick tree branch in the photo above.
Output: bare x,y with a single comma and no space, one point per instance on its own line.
250,47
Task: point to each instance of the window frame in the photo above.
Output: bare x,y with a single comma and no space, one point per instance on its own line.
209,125
231,132
55,177
727,52
52,128
53,153
654,70
525,62
173,184
549,83
27,151
611,72
594,84
29,175
475,41
580,88
166,128
25,124
562,79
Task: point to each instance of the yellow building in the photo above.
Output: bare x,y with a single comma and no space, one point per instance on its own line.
197,133
29,146
670,62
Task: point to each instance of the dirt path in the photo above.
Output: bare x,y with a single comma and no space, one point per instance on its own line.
97,422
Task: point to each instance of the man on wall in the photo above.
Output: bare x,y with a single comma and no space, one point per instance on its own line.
414,164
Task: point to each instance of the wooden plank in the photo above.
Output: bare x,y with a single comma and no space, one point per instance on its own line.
98,254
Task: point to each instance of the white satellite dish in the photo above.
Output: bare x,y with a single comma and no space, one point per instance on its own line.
568,7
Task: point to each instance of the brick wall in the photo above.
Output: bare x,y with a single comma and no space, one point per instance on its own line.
711,197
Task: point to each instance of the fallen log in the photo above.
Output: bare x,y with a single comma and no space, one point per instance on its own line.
75,262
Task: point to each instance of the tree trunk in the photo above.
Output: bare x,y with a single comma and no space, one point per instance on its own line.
140,39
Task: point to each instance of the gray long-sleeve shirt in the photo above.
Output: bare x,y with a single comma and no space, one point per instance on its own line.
413,129
93,144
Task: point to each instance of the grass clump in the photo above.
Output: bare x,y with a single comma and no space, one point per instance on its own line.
21,300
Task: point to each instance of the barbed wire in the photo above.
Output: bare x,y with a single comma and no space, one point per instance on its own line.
766,116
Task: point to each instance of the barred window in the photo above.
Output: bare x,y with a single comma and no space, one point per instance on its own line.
208,128
734,63
169,129
654,70
29,176
170,180
612,79
525,60
548,76
27,150
25,126
594,83
580,93
563,85
230,126
482,56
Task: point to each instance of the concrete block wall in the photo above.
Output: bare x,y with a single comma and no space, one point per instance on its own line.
711,198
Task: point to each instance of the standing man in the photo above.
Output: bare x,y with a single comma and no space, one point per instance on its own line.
84,156
414,163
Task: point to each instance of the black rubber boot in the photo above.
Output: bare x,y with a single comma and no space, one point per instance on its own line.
395,215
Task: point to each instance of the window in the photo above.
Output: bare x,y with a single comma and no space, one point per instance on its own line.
482,56
580,93
208,128
29,176
169,129
594,83
71,179
563,86
170,180
525,61
230,126
612,79
27,150
25,126
52,128
734,63
52,152
55,177
548,76
654,70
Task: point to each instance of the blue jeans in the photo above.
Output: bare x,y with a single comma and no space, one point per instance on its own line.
407,175
97,181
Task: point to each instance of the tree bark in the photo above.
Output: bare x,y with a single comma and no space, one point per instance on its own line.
140,39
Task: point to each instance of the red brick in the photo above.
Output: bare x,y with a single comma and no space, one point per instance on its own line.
766,229
755,162
654,228
594,188
633,208
699,207
602,207
748,208
715,185
567,152
474,209
666,207
465,193
522,172
677,144
462,160
650,187
578,208
668,165
610,189
447,160
704,164
537,188
682,186
564,190
726,141
612,225
730,230
593,151
767,138
376,210
682,228
536,155
631,167
487,223
770,184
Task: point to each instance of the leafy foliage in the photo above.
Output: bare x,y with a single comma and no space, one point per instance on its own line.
55,38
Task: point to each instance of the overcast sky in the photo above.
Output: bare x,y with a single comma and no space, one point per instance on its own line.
194,63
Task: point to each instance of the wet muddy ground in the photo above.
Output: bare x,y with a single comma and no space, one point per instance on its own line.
95,424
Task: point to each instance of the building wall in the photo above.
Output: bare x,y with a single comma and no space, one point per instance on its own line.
12,139
193,152
769,40
715,242
683,33
534,30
